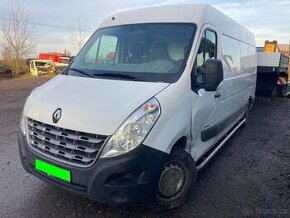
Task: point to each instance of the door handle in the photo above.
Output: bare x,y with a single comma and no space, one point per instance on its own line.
217,95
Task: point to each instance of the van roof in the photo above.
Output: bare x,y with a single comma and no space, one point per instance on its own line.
181,13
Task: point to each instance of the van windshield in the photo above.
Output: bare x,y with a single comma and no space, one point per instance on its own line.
145,52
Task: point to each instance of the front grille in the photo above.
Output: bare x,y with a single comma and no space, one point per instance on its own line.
64,145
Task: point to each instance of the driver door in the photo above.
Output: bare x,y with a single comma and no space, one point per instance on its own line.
205,104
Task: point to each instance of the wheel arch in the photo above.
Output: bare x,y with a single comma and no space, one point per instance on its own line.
182,143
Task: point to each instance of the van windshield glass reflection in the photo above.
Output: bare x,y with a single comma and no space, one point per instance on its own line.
145,52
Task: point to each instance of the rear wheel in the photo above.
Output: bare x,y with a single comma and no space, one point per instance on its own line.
176,182
274,93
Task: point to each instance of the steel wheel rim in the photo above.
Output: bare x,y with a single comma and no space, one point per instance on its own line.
171,181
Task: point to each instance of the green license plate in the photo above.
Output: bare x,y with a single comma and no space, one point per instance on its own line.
52,170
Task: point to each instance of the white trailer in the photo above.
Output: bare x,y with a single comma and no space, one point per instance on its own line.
272,73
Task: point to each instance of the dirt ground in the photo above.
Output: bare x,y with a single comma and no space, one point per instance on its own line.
250,176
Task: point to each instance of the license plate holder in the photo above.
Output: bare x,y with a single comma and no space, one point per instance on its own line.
52,170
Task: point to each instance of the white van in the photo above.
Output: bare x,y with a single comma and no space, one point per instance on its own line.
147,102
39,67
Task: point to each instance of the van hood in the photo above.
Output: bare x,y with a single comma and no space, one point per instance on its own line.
89,105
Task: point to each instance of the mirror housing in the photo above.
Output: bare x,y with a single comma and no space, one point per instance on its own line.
212,75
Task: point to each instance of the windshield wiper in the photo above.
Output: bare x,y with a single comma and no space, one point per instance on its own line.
81,72
115,75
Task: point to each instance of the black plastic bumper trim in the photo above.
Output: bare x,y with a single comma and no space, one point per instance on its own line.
130,178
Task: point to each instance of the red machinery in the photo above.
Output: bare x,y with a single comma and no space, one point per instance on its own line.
57,58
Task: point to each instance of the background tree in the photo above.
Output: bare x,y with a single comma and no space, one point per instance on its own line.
66,52
6,56
79,34
17,41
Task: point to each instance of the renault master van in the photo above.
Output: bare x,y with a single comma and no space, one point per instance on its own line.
150,98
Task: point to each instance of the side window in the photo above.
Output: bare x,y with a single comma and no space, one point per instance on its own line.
92,53
207,49
103,51
107,50
231,55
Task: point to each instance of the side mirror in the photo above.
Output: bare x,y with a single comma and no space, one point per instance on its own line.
212,75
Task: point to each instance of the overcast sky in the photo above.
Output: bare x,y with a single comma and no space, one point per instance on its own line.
267,19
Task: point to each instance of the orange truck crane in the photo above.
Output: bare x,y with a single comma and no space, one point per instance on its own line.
273,71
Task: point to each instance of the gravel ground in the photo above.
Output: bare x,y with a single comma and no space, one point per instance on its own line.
250,176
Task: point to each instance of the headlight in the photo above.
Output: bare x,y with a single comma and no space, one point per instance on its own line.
134,130
23,125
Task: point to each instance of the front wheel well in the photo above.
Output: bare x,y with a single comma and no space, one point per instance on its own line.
180,143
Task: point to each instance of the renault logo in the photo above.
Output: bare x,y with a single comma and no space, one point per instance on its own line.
56,115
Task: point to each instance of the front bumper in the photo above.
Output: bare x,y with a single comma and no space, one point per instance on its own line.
130,178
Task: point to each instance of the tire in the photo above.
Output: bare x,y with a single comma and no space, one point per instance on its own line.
180,172
274,93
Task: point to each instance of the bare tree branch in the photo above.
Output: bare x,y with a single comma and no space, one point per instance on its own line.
79,34
17,36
